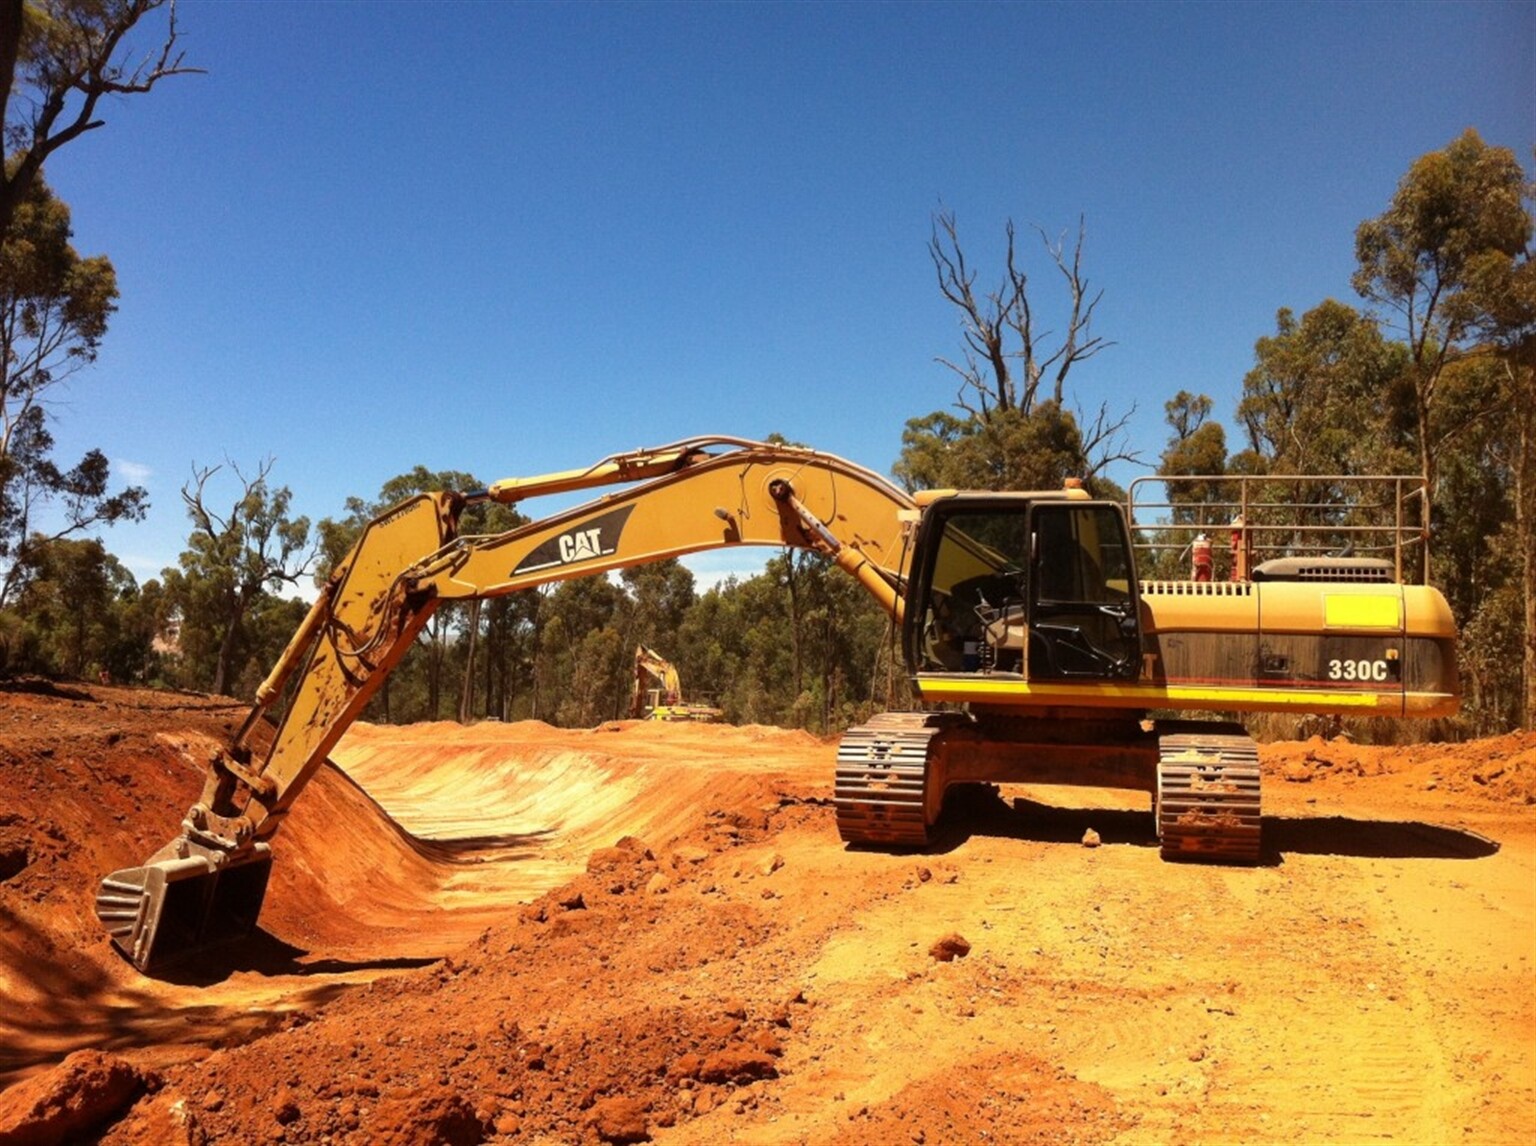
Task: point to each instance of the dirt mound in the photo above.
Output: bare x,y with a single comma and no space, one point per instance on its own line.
536,1063
88,1090
651,932
1027,1101
97,779
1502,768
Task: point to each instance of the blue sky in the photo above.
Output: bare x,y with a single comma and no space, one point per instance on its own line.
512,238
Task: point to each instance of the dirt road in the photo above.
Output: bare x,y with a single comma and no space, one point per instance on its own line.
652,932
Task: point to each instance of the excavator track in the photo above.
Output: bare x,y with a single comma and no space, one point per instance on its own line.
881,792
1208,796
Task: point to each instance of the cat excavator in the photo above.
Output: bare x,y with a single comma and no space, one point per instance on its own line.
1034,652
658,692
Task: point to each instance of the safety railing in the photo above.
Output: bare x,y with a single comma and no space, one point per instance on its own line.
1222,528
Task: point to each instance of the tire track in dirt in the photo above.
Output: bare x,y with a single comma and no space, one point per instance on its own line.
1265,1003
1320,1024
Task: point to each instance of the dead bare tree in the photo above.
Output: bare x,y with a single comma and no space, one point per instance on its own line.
1015,368
1105,440
58,58
233,556
1000,329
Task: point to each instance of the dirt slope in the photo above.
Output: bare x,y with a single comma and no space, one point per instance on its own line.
651,931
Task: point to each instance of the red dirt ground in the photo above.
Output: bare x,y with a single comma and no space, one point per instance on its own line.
651,932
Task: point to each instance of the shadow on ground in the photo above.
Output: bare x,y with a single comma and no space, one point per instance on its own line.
82,1003
263,953
989,815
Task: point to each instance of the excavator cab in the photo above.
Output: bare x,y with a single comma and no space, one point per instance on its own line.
1025,587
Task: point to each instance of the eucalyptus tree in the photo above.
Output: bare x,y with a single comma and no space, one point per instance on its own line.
54,309
59,59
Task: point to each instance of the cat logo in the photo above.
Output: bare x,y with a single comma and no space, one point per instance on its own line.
582,545
594,539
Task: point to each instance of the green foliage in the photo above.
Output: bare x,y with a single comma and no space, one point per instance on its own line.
80,614
1011,448
1450,261
1198,447
1458,215
1325,396
583,670
269,623
592,693
1456,231
1491,641
1477,559
58,60
54,310
660,595
798,645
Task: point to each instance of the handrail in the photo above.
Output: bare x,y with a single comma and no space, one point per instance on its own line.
1335,515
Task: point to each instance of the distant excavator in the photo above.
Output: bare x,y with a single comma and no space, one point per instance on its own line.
1034,652
658,692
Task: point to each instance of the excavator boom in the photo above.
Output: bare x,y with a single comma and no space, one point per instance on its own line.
206,885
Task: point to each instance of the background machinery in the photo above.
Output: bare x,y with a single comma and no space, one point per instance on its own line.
658,691
1032,648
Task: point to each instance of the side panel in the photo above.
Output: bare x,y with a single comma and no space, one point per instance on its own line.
1198,633
1306,647
1431,684
1341,637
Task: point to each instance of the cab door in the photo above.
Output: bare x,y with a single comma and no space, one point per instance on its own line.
1083,619
967,605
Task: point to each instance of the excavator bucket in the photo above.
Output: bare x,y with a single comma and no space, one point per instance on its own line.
170,909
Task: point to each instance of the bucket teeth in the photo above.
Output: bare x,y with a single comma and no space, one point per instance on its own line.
119,906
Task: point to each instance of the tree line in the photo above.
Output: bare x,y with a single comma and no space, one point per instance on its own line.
1430,374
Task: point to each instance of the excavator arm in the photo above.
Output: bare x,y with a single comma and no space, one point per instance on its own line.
206,886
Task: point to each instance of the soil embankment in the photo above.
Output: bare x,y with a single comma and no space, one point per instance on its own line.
528,935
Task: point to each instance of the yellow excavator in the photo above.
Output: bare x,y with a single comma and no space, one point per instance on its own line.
658,692
1034,651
